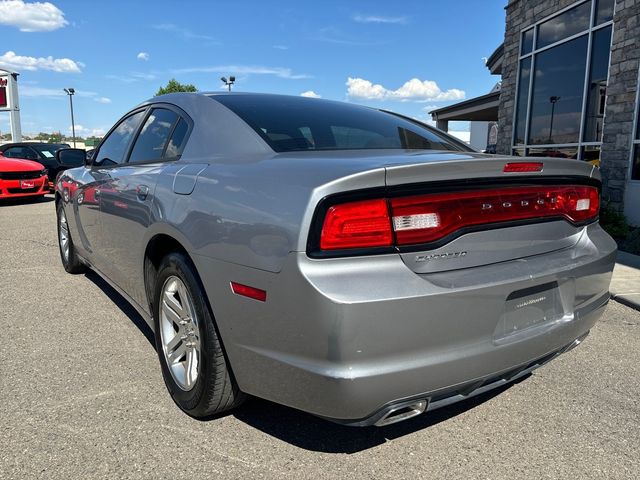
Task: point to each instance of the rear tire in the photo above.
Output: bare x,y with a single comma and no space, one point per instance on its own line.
70,260
195,369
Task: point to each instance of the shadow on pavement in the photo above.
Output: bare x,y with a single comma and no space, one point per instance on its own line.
25,200
312,433
302,429
123,305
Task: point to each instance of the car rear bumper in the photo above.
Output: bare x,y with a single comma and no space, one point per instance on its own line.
14,188
347,339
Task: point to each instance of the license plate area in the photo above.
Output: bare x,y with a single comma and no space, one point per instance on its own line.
27,184
531,308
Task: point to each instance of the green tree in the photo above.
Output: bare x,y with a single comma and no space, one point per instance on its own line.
42,136
175,86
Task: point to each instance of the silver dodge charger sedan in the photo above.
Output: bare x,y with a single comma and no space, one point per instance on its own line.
345,261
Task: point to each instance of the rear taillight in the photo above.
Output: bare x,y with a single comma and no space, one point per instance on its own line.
357,225
423,219
452,212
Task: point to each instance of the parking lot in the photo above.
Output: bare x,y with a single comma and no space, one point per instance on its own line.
81,396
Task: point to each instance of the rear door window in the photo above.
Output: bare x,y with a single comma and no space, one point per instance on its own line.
177,140
151,142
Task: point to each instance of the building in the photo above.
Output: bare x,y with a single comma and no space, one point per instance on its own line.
570,73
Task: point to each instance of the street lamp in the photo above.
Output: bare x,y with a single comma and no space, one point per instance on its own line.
71,92
553,101
229,82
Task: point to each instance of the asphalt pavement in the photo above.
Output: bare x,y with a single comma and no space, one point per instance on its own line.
81,396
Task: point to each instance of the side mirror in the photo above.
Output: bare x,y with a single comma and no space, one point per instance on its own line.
72,157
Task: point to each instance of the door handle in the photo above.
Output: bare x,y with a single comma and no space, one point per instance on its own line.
142,191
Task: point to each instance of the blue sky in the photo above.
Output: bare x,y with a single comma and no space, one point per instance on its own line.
409,56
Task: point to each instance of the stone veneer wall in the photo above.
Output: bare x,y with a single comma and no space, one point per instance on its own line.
621,98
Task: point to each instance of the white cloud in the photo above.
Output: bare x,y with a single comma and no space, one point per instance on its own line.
144,56
32,91
336,36
412,90
87,132
133,77
310,94
31,17
245,70
429,108
52,93
12,61
379,19
280,47
184,33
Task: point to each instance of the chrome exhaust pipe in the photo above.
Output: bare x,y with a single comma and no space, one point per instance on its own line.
400,412
575,343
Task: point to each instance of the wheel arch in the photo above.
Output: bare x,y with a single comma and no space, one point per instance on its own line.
159,246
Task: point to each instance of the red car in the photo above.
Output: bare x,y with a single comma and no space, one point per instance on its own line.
22,178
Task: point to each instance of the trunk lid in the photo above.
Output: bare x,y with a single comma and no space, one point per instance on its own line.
490,245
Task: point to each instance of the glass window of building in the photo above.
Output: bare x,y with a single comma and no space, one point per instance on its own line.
565,25
635,160
562,82
597,86
521,106
556,103
604,11
527,42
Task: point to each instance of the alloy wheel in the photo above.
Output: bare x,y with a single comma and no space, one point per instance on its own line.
179,333
63,235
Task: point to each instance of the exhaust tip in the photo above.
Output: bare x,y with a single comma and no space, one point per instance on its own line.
575,343
401,412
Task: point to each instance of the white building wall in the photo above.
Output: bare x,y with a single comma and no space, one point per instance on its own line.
479,134
632,203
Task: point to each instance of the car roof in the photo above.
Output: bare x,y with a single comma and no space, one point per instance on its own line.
4,146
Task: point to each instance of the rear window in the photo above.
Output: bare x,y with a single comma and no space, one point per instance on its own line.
291,124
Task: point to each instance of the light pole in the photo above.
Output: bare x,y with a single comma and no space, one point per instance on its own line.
71,92
229,82
553,101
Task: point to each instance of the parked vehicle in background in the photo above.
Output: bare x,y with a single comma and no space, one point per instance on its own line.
342,260
43,153
22,178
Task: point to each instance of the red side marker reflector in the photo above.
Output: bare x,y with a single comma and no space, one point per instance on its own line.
247,291
517,167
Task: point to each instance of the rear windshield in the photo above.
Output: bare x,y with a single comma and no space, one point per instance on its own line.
292,124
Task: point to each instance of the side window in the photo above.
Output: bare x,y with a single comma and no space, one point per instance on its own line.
20,152
13,152
114,147
178,140
153,136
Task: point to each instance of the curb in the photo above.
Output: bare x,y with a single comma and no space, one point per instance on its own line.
624,300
